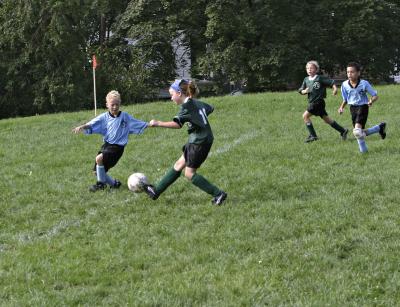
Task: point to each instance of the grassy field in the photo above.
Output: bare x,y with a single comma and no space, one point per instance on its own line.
304,224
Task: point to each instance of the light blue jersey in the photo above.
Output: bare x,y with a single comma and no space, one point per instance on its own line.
116,129
357,96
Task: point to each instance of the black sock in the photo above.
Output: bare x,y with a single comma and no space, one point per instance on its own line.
337,127
310,128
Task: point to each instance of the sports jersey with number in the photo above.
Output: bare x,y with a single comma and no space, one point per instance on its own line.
317,87
115,129
357,95
194,113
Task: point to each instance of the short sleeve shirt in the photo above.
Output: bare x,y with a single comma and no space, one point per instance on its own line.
357,95
195,114
115,129
317,87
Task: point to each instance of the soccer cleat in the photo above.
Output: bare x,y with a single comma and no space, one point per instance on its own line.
220,198
382,130
98,186
344,134
150,191
116,184
311,138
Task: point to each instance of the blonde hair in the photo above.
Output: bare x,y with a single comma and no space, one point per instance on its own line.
315,63
113,95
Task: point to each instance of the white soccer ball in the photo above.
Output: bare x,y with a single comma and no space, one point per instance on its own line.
136,181
358,133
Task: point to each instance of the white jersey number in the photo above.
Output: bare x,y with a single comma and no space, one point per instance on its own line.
203,115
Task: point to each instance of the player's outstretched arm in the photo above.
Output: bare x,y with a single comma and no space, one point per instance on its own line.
157,123
80,128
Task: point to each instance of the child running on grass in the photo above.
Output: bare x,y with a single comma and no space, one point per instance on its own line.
354,93
115,126
315,87
194,113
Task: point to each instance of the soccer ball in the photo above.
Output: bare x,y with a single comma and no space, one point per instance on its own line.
358,133
136,181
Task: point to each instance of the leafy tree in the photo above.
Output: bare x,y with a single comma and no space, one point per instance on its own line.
42,56
140,58
251,42
365,37
46,45
45,48
266,43
142,54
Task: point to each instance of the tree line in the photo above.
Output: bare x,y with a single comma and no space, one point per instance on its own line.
46,46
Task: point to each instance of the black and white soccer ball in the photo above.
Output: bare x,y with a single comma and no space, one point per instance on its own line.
136,182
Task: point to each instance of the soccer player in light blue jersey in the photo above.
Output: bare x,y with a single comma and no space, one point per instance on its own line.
354,93
115,126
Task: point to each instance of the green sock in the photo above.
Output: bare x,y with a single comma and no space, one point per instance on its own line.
337,127
310,128
168,179
203,184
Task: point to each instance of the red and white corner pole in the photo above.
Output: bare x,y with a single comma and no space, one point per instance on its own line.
94,66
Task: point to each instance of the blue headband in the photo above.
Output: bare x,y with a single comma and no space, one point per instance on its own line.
176,85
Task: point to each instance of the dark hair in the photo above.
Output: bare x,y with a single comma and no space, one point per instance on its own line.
355,65
189,88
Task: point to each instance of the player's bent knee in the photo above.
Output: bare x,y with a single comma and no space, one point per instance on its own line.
99,159
180,164
189,176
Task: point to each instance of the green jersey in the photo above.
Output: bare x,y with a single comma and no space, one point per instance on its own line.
194,113
317,87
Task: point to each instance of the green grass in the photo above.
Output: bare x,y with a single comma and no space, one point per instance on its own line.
304,224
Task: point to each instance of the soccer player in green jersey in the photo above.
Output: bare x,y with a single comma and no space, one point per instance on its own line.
315,87
194,113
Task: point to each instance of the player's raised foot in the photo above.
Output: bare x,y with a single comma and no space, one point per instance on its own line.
382,130
150,191
116,184
311,138
344,134
98,186
220,198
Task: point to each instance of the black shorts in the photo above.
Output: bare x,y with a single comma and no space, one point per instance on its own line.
359,114
111,155
317,108
195,154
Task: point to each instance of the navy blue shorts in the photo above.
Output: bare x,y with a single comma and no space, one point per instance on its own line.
195,154
359,114
111,155
317,108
